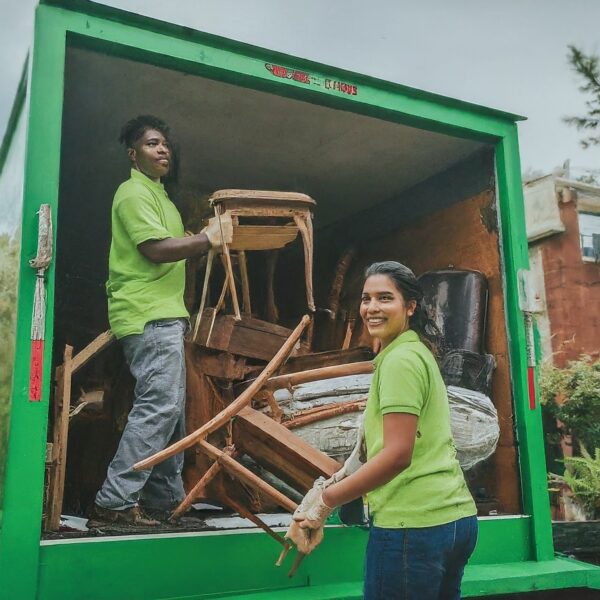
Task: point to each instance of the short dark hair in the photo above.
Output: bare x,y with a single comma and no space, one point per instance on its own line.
135,128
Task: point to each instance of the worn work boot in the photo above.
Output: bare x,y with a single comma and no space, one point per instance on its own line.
130,516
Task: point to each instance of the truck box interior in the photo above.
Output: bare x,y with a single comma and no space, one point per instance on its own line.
386,190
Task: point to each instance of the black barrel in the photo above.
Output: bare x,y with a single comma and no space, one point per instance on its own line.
457,302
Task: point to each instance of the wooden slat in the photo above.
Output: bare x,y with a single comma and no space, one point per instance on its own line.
101,342
328,358
236,194
281,451
262,237
248,337
218,364
62,396
247,476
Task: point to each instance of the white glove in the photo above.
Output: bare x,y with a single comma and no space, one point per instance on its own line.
356,459
213,230
306,529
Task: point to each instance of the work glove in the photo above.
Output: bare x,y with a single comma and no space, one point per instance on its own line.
214,228
306,529
357,458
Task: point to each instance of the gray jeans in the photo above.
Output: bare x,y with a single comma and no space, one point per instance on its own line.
157,362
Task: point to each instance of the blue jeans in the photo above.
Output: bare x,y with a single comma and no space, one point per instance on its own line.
157,419
418,564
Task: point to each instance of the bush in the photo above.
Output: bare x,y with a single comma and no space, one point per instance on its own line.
582,475
572,395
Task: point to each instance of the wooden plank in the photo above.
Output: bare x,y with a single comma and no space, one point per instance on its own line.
234,408
280,451
83,357
248,337
62,396
277,196
328,358
222,365
262,237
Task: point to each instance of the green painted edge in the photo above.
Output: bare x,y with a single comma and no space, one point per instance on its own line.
27,439
75,569
15,113
529,432
119,15
24,477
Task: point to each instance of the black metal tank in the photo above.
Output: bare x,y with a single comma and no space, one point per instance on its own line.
457,301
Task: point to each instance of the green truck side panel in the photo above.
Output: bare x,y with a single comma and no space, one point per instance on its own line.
24,480
179,566
201,565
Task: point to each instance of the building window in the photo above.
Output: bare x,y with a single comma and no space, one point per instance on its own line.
589,235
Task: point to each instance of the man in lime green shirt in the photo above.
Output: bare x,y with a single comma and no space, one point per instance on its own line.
147,314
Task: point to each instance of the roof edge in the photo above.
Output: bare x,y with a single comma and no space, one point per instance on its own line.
95,8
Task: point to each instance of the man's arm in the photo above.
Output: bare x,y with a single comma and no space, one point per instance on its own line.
174,249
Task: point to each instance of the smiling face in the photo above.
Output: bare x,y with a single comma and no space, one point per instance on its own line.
151,154
384,310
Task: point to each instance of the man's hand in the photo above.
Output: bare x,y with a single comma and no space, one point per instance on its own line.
214,228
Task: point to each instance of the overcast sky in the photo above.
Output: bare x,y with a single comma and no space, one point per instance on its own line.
509,55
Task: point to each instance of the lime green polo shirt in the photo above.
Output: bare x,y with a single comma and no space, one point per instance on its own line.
432,490
139,290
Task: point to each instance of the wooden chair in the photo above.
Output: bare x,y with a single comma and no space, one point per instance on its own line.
262,220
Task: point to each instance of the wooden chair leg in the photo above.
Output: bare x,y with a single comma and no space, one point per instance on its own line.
272,312
209,262
229,270
61,434
304,224
246,514
194,493
243,474
245,282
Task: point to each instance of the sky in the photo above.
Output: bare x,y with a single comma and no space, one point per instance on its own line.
509,55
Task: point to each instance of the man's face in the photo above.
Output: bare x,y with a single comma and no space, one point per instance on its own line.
151,155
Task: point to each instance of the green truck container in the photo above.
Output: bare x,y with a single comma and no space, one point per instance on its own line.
412,176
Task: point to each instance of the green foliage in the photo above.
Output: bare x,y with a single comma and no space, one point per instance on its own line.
572,396
9,275
582,475
587,66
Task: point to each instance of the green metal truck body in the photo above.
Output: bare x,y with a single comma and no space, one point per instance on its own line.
515,553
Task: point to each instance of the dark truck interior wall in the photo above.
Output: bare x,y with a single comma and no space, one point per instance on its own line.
392,191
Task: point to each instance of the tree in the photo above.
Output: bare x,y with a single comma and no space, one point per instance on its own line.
587,66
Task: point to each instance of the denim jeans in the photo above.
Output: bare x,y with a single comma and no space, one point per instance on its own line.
418,564
157,362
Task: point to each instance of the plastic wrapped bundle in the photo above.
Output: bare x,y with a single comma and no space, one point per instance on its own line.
474,423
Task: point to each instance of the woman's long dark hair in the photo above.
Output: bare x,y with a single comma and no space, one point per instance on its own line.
408,285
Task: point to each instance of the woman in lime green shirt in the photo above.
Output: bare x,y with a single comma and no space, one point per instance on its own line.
423,523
